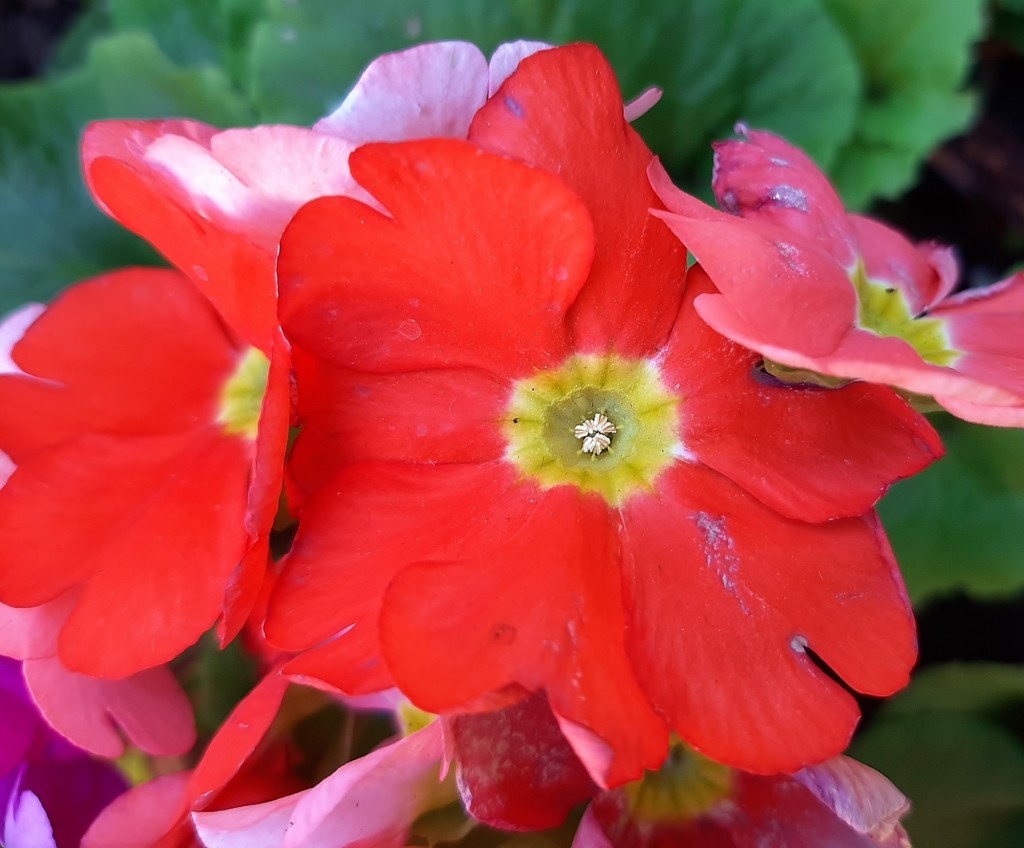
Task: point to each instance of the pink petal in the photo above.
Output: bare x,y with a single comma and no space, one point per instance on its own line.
590,834
256,826
370,801
427,91
7,468
12,328
642,104
150,708
1002,297
507,58
858,795
860,355
142,816
783,284
28,633
921,274
766,179
979,413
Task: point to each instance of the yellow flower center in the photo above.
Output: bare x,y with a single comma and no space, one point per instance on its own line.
605,424
883,309
242,398
688,785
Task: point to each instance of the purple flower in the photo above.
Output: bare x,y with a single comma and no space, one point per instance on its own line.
50,791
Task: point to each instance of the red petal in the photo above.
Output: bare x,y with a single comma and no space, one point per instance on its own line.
136,351
236,274
561,110
350,664
236,740
767,179
477,267
265,485
724,594
441,415
372,520
543,611
215,203
155,546
808,452
786,286
515,769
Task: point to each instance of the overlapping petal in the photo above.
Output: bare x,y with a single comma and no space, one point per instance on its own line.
442,298
371,521
445,653
562,111
725,596
809,452
370,801
515,768
905,330
129,489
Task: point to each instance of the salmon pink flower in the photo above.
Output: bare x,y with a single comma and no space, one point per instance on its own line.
812,288
457,540
142,486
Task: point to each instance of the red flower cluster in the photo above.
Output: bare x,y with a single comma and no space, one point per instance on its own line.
550,482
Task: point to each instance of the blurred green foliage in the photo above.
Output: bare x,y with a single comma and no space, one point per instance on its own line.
953,743
959,525
868,88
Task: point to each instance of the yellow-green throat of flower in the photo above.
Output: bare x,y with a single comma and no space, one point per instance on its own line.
242,398
605,424
883,309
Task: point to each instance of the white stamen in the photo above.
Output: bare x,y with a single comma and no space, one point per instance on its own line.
596,433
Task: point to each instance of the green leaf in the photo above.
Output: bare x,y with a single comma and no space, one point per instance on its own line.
718,61
957,525
963,775
50,232
212,32
983,689
914,55
216,681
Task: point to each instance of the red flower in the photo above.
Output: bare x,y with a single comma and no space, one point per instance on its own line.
145,481
454,536
813,288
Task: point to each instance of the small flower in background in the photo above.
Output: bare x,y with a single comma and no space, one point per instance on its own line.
839,295
693,801
50,791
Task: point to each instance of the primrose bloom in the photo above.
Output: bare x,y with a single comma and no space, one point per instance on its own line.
815,289
454,353
141,496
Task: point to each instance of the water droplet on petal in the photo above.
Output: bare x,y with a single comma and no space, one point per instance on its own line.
410,329
200,273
